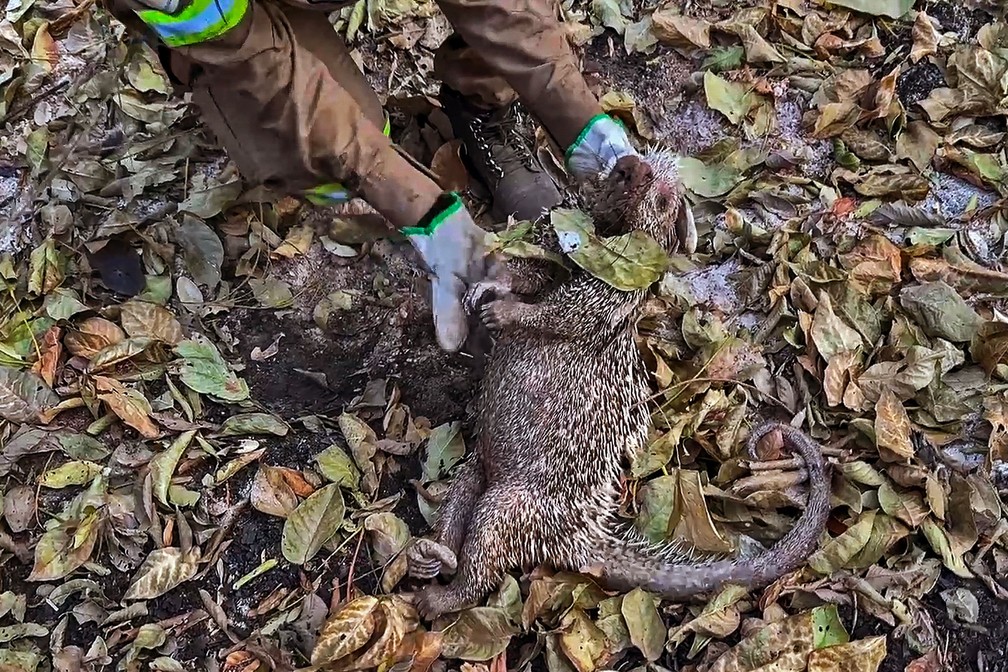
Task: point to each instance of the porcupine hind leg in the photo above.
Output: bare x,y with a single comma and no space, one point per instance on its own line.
426,557
487,553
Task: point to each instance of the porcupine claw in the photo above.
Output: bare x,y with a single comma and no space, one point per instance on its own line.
427,558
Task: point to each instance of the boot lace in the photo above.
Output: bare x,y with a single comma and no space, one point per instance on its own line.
497,136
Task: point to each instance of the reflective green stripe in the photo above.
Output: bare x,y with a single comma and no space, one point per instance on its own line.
334,193
200,21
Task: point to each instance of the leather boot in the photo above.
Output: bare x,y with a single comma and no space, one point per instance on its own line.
501,158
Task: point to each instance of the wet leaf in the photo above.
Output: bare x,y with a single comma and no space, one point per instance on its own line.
204,370
24,395
312,524
164,570
627,262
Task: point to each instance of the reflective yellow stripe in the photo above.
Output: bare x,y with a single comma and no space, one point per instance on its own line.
200,21
334,193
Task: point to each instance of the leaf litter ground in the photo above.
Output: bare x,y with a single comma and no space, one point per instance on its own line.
213,452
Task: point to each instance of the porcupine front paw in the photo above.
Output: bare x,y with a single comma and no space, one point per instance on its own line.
427,558
496,314
480,293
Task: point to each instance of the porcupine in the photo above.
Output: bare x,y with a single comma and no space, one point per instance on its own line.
562,403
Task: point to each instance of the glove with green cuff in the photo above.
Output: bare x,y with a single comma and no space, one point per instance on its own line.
600,145
454,250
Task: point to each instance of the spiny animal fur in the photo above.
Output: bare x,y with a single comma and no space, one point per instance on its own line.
562,404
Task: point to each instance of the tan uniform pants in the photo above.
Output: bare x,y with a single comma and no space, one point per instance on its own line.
293,111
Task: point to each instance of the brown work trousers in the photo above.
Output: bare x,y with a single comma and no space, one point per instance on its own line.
283,96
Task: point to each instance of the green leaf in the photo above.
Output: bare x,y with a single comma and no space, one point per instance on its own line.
647,632
445,447
478,634
62,304
204,370
729,98
337,466
64,548
46,268
628,262
312,524
76,472
162,466
202,250
828,629
708,181
245,424
724,58
940,311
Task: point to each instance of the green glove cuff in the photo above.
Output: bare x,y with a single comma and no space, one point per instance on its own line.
445,206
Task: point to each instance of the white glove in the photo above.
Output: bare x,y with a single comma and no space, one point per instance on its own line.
602,143
455,251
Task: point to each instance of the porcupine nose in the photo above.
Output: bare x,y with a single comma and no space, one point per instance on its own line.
632,171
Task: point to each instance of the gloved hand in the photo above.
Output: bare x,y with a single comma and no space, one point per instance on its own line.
455,252
600,145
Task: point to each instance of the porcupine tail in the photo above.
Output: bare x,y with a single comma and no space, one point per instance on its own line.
629,563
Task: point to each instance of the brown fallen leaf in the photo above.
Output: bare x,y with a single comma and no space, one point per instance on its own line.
925,37
141,318
129,405
862,655
50,350
91,336
447,165
892,428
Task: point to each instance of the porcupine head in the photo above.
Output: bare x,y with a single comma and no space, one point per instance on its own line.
644,192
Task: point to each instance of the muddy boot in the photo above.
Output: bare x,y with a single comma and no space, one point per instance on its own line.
501,158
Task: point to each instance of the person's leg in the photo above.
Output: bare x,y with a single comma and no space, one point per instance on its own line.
481,107
523,43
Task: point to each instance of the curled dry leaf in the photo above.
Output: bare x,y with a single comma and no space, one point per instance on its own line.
362,442
271,494
162,466
447,165
130,405
65,547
